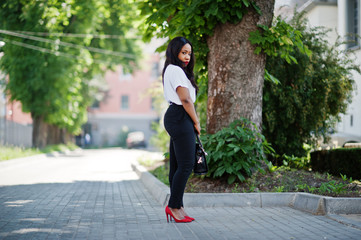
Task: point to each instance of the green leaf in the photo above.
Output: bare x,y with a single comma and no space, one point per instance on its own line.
293,59
212,10
241,177
231,179
239,14
246,3
257,50
286,40
270,77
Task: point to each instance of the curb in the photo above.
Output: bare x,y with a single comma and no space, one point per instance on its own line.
315,204
158,189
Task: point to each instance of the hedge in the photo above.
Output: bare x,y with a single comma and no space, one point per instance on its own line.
346,161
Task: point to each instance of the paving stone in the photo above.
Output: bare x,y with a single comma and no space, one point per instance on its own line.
97,196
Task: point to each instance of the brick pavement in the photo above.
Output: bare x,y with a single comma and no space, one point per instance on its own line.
97,196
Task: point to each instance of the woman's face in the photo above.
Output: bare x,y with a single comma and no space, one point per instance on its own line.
185,54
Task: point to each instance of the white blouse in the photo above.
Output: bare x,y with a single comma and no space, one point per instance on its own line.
174,77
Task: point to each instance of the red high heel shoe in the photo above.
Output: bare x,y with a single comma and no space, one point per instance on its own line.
187,216
169,212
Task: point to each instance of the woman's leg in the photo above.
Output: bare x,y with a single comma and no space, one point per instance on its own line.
172,162
182,155
184,149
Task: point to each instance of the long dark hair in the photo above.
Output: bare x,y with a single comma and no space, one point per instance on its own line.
173,49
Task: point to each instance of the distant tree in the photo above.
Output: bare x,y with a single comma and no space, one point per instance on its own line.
54,80
311,94
219,31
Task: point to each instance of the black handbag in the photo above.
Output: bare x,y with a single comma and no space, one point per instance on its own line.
200,165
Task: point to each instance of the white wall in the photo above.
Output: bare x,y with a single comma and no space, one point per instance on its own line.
334,17
354,108
324,15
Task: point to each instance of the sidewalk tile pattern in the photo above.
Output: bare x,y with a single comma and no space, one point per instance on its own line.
112,210
125,210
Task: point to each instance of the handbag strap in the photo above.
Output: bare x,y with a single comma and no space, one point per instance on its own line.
201,145
198,140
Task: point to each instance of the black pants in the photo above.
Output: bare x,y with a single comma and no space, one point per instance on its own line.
181,150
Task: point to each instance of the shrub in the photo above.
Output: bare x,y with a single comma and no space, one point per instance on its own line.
346,161
311,94
235,151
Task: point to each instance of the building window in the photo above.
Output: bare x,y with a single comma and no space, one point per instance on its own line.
124,102
95,104
124,76
353,23
351,120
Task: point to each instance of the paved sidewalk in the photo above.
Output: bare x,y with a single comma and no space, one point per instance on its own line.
97,196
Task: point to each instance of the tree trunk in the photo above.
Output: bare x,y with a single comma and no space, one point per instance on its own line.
54,135
235,72
58,135
45,134
40,132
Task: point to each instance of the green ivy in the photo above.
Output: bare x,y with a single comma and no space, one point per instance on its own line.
280,40
236,151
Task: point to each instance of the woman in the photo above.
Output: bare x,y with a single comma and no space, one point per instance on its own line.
180,121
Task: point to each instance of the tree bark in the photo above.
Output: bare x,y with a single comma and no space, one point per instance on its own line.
58,135
235,72
46,134
40,132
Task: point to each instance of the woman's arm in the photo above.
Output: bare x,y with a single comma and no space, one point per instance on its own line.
184,96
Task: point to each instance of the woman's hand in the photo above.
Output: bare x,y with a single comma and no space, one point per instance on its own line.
197,127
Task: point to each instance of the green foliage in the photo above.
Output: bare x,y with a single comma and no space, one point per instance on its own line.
7,153
161,138
162,174
344,178
296,162
194,20
338,161
10,152
330,187
279,189
271,167
235,151
281,40
292,162
311,94
59,85
59,148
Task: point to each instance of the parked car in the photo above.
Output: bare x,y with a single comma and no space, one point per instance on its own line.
344,138
339,139
136,140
